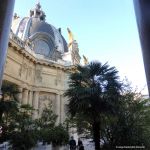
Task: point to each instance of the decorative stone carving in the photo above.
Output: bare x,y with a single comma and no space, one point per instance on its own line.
17,40
45,100
47,96
38,74
23,70
24,67
58,77
15,16
29,71
19,71
28,44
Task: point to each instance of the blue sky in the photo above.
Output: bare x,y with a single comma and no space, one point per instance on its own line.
105,30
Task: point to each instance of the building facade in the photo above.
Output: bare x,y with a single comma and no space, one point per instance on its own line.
39,61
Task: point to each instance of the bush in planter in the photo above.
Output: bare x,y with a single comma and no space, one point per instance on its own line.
58,136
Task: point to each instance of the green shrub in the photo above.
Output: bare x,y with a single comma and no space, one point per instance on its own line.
23,140
59,135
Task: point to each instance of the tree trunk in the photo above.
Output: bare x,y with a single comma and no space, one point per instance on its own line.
96,135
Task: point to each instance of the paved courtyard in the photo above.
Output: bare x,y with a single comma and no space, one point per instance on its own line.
88,146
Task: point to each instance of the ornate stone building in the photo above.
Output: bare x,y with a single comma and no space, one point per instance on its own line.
39,61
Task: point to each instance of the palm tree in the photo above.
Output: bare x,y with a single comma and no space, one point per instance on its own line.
93,90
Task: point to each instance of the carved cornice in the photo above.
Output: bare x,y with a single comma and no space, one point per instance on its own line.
25,49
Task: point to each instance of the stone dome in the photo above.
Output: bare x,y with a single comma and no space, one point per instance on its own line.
37,26
45,37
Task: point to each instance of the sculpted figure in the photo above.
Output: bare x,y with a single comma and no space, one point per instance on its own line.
71,38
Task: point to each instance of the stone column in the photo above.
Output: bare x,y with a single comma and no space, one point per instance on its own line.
57,108
30,98
25,96
142,11
35,104
62,109
19,95
6,12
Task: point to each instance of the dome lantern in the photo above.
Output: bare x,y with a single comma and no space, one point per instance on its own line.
37,12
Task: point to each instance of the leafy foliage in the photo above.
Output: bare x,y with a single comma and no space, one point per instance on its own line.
24,140
48,131
8,102
131,124
8,105
47,119
59,135
45,123
23,135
